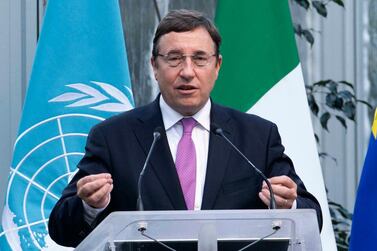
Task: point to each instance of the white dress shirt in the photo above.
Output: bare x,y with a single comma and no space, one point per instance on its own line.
174,130
200,136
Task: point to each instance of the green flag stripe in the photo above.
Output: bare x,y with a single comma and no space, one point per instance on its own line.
258,49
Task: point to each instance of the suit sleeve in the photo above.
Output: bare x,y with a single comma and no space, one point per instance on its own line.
66,225
281,164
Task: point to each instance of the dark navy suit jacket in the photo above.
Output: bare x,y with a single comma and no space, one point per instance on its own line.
119,146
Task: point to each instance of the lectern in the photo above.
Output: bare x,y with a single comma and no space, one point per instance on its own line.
206,230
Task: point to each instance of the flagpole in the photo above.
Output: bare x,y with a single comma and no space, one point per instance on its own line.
157,10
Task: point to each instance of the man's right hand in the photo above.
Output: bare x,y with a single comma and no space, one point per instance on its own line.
95,189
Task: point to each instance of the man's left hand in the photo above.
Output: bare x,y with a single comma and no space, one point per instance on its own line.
285,192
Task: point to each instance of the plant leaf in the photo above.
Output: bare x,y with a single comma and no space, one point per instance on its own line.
338,103
347,84
309,88
324,119
331,100
316,138
313,104
324,154
332,86
322,83
308,37
339,2
303,3
346,95
349,109
68,96
365,103
342,121
320,8
297,29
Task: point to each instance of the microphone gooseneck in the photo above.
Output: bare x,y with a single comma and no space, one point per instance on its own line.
156,136
218,131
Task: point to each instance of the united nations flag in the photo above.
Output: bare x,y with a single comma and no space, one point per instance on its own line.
79,77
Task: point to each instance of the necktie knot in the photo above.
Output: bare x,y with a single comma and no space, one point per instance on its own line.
188,124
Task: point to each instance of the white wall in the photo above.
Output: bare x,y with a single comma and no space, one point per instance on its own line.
340,53
18,26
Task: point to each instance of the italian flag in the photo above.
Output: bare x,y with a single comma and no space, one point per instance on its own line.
261,74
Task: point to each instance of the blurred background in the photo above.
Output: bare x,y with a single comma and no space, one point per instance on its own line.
337,44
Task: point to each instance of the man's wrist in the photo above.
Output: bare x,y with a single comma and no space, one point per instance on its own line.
90,213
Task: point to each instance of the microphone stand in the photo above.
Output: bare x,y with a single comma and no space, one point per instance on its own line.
218,131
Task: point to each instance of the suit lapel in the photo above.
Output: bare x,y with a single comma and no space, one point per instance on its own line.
161,160
218,157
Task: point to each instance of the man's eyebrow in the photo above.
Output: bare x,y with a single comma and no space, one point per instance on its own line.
175,51
197,52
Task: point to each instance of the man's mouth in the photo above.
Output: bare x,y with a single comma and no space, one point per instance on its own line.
186,87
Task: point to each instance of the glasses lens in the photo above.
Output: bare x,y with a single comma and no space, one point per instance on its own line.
174,59
200,60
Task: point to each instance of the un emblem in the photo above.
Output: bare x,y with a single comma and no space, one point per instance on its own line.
45,159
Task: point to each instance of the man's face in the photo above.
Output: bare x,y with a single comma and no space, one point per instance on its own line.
186,87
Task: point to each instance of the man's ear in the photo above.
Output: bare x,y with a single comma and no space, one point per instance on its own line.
219,61
218,64
154,66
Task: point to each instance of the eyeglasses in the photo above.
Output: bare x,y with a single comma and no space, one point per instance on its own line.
176,59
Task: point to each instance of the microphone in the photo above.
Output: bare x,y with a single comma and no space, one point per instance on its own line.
156,136
218,131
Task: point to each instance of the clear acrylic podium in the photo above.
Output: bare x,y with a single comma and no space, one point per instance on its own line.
209,230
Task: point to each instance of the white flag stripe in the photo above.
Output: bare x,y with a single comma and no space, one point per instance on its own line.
286,105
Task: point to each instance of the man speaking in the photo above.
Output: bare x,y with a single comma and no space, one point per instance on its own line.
192,167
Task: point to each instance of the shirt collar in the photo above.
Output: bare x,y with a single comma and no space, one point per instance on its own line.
170,117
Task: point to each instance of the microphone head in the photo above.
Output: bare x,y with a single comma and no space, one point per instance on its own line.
216,129
156,135
219,131
157,132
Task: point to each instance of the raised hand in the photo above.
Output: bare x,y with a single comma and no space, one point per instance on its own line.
285,191
95,189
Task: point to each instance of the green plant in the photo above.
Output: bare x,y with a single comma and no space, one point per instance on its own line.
321,9
341,221
329,99
340,103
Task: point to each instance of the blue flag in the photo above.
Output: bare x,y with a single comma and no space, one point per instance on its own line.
80,77
364,222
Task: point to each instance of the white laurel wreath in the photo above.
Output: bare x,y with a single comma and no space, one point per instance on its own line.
89,95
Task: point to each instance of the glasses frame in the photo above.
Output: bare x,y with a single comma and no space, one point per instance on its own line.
183,58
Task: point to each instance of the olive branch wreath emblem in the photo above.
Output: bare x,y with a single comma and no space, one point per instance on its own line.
111,99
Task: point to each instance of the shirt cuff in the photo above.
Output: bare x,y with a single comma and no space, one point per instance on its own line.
294,204
90,213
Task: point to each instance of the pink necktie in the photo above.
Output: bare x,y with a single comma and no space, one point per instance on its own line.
185,162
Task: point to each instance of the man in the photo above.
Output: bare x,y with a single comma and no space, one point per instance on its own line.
191,167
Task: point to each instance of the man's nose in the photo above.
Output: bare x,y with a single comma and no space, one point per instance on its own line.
187,70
